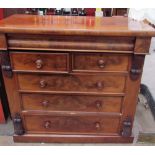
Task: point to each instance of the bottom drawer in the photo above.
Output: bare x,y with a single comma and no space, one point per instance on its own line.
72,124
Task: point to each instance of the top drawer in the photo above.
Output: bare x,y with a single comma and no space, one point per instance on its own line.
70,42
100,62
42,62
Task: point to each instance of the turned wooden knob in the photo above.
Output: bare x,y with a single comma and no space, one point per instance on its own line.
39,64
47,124
98,104
99,85
97,125
45,103
101,63
43,83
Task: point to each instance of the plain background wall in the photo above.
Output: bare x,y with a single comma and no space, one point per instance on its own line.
141,14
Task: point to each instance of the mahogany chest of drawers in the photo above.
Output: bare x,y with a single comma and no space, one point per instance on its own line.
73,79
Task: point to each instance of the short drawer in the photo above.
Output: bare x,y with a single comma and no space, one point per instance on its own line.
84,103
40,62
71,124
72,83
100,62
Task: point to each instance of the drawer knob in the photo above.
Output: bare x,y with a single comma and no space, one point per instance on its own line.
98,126
47,124
98,104
39,64
99,85
45,103
43,83
101,63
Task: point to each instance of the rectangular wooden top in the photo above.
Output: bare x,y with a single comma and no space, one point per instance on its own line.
75,25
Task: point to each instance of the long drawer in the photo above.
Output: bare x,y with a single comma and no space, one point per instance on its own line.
84,103
70,42
71,124
100,62
40,62
72,83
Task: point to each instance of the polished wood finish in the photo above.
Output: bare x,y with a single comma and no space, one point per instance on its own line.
73,79
70,43
131,98
75,25
65,138
3,43
11,90
72,83
142,45
34,62
86,103
100,62
71,124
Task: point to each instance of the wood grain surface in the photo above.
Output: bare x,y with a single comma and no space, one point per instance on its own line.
75,25
73,76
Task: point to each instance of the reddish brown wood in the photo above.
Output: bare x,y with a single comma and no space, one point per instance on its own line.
131,98
75,25
13,96
100,62
72,93
71,125
71,103
3,44
41,62
72,81
62,138
142,45
71,113
60,42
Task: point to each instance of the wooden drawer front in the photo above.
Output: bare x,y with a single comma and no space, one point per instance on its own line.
42,62
71,103
70,42
100,62
71,124
77,83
